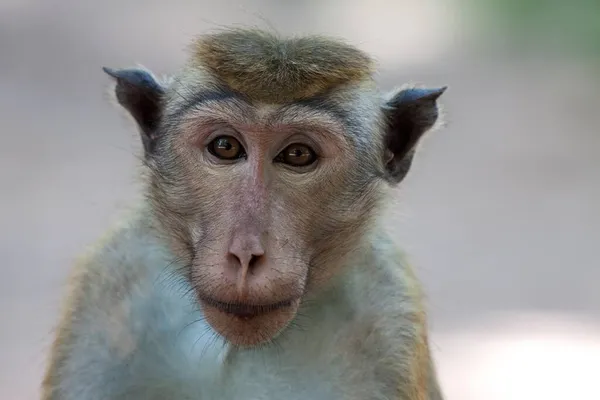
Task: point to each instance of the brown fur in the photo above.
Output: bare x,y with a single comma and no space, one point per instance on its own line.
267,68
419,370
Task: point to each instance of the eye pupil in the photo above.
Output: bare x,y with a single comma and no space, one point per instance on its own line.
225,145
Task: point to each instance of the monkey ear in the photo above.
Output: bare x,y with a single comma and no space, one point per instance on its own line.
409,114
141,95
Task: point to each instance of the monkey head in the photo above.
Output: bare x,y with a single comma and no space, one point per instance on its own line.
267,161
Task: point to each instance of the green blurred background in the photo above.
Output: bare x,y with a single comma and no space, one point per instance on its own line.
568,28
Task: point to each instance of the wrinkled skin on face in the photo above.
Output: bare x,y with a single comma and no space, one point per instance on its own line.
257,231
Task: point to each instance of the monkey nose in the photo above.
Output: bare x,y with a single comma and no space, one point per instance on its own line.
246,253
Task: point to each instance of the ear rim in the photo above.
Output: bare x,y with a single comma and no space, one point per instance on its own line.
423,102
126,73
415,94
150,89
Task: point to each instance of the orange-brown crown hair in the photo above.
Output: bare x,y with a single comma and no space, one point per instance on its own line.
275,70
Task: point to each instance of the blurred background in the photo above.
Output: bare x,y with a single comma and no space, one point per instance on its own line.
501,210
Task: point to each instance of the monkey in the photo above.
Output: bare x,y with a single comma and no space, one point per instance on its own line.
261,262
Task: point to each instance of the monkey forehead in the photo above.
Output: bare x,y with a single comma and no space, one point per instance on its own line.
349,110
267,68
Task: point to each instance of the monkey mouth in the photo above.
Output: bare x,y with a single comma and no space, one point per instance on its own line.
246,311
246,324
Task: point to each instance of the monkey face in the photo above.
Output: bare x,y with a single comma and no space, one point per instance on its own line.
264,203
267,161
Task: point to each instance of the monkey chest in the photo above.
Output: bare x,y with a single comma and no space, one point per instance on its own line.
322,371
302,366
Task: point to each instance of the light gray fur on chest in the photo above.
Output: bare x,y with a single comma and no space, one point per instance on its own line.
178,356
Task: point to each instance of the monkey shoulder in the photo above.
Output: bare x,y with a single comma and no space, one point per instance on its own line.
388,328
127,302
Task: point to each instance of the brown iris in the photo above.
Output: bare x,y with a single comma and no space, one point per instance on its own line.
297,155
226,148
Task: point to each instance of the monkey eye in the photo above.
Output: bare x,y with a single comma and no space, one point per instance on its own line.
226,148
297,155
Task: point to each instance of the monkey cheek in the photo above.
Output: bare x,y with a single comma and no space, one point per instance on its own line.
249,331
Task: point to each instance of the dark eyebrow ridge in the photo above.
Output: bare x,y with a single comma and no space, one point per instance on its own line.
219,93
204,96
320,103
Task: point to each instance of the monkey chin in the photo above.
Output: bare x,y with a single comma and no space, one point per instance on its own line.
248,326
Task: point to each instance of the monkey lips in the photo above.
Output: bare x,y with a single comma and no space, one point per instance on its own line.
246,324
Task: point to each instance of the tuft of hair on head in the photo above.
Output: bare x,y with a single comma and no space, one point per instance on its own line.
267,68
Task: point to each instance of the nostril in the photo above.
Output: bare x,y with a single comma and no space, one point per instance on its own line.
246,261
235,258
253,261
